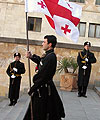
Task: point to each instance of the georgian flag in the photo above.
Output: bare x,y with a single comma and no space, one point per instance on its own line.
63,16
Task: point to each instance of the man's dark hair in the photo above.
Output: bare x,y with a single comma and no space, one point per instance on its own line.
51,39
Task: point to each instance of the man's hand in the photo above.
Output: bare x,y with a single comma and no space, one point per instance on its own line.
84,67
13,76
86,59
28,54
15,69
29,93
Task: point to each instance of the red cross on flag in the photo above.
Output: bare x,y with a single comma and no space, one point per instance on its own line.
63,16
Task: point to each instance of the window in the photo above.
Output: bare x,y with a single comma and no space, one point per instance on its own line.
81,1
94,30
34,24
82,29
97,2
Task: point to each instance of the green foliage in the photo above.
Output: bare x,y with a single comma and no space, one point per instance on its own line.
73,64
66,63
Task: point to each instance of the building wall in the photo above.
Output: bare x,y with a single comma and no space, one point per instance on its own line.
13,21
13,25
9,48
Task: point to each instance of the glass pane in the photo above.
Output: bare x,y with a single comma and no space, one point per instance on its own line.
72,0
34,24
81,1
98,31
91,30
30,23
31,27
38,24
82,28
97,2
77,0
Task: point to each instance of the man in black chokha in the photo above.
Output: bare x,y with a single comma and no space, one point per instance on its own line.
85,59
14,71
46,102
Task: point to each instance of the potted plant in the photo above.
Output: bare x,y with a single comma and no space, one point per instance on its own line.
68,80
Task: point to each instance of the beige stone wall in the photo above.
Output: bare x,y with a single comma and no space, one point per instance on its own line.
12,19
6,56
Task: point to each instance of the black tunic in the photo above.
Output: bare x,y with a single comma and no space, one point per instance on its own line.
47,104
14,85
84,75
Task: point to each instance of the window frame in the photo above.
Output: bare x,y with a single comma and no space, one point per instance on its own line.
34,24
84,30
94,30
96,2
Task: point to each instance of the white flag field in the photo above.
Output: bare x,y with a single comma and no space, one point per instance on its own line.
63,16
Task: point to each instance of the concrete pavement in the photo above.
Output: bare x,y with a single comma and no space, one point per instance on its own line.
76,108
80,108
16,112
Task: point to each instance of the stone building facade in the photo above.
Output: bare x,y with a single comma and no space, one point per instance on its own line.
13,39
13,21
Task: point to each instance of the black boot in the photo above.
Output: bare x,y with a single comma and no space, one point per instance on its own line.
14,102
11,103
85,96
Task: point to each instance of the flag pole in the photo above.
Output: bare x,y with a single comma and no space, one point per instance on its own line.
29,64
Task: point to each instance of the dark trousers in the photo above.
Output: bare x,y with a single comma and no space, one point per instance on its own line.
82,90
